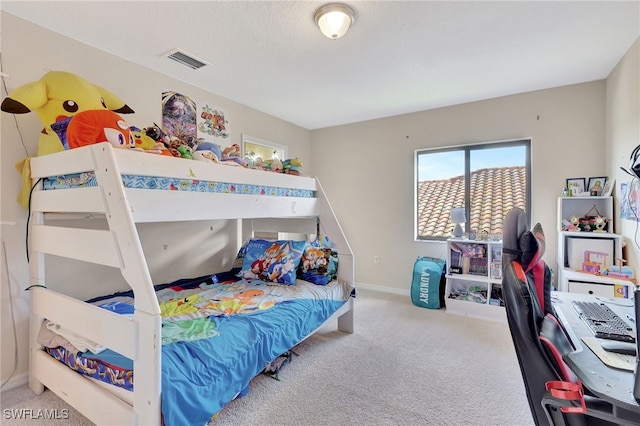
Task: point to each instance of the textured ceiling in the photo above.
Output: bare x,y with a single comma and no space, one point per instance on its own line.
399,57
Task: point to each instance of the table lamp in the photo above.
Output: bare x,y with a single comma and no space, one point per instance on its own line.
458,216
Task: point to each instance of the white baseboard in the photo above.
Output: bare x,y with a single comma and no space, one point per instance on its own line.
17,380
383,289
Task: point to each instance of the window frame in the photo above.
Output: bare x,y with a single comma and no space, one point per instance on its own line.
467,148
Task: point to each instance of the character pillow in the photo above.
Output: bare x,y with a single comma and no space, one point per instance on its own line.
272,261
319,265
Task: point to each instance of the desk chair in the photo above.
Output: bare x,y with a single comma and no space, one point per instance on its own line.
555,394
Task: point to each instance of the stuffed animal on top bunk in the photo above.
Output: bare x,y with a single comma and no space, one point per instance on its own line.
292,166
145,143
232,154
207,151
183,146
157,134
95,126
276,166
259,164
55,97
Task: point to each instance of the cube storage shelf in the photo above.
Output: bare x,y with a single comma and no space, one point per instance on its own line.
581,206
474,279
575,247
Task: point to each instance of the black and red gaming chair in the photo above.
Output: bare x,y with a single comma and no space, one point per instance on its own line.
555,394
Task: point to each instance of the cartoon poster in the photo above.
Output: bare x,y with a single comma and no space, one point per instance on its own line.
179,116
630,200
213,124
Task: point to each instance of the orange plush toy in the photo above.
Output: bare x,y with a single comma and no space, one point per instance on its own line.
100,125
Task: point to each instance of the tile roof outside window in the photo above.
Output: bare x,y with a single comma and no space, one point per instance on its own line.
494,191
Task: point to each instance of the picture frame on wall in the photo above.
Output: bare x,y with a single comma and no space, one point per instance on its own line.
576,186
596,185
608,188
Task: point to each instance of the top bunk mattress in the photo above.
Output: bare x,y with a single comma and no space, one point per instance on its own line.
98,178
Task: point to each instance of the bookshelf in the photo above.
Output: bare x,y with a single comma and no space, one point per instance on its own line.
474,279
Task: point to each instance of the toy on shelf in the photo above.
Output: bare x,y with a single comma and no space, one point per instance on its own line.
620,271
574,224
600,223
594,262
591,222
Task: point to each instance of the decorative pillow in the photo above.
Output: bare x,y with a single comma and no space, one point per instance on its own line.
319,265
237,263
273,261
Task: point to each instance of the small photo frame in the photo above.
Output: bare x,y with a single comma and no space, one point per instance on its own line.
576,186
596,185
608,188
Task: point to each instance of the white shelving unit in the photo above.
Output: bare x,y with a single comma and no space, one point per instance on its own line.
572,246
474,279
579,206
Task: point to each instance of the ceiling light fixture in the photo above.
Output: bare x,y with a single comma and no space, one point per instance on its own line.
334,19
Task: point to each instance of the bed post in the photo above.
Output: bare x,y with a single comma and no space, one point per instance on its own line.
345,321
36,272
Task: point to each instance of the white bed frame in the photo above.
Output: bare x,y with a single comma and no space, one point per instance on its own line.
119,246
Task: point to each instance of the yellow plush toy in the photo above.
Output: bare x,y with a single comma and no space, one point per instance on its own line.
56,96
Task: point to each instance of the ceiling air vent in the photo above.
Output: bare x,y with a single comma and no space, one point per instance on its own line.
185,59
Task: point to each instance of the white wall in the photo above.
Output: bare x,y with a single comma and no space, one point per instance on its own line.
367,168
27,50
622,136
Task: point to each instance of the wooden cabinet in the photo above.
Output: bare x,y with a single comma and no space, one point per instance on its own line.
474,279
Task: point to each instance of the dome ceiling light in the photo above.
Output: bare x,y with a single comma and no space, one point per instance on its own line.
334,19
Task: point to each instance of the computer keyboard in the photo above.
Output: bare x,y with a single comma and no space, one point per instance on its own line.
604,323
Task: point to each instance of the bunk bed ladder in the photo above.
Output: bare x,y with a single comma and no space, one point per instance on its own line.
119,246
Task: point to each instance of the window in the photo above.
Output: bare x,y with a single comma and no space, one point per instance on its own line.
267,150
487,180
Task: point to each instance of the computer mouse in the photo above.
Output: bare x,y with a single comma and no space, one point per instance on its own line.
618,347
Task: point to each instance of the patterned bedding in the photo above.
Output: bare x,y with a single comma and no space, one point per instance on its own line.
218,333
174,184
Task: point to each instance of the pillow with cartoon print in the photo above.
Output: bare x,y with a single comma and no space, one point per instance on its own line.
272,261
319,265
237,263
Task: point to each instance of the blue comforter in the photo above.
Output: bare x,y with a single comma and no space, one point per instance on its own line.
217,336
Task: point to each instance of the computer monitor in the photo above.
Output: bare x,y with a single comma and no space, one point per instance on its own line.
636,304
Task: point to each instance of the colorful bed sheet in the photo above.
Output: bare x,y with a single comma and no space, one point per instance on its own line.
217,335
174,184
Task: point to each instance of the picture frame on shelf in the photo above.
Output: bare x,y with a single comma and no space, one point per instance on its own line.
608,187
576,186
596,185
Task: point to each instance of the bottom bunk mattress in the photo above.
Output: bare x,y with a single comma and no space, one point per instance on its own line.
217,334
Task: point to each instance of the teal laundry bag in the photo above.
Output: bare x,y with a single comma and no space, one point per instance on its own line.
428,283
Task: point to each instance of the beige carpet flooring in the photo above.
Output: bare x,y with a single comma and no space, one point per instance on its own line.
403,365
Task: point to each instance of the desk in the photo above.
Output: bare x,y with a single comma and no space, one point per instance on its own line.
609,384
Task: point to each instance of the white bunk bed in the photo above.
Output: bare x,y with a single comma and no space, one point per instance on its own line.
119,246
